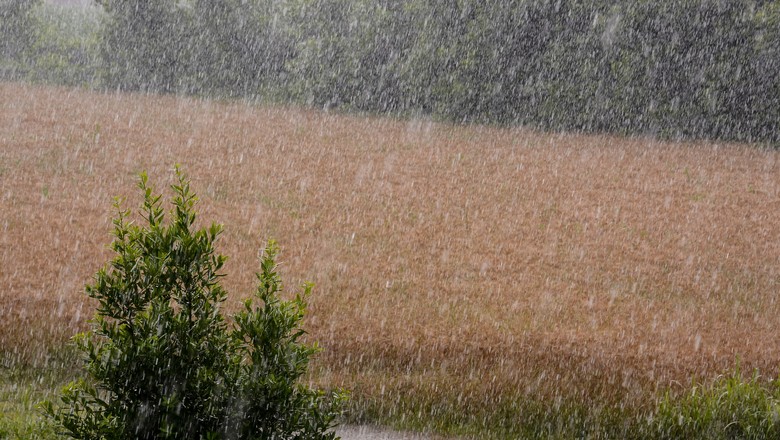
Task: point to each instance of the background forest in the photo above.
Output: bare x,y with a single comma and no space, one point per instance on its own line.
691,68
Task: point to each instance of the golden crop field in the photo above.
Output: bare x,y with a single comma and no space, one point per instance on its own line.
477,259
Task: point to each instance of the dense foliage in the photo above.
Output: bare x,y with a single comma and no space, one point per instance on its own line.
689,68
16,32
163,361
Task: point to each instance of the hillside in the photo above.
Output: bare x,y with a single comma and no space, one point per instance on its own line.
442,255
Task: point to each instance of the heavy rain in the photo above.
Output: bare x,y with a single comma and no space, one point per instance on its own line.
441,219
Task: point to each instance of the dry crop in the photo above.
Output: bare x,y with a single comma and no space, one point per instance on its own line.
593,266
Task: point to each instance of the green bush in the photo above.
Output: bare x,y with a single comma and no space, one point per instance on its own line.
729,408
162,359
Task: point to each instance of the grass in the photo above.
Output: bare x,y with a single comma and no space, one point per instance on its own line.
422,403
582,270
727,407
730,407
19,395
24,385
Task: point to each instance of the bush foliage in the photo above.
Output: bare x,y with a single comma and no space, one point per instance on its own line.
162,359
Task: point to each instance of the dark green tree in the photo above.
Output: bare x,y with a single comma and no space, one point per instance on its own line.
162,360
144,44
238,48
765,108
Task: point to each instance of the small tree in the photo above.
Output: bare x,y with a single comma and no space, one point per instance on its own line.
164,363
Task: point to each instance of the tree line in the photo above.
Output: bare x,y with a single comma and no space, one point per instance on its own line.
689,68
